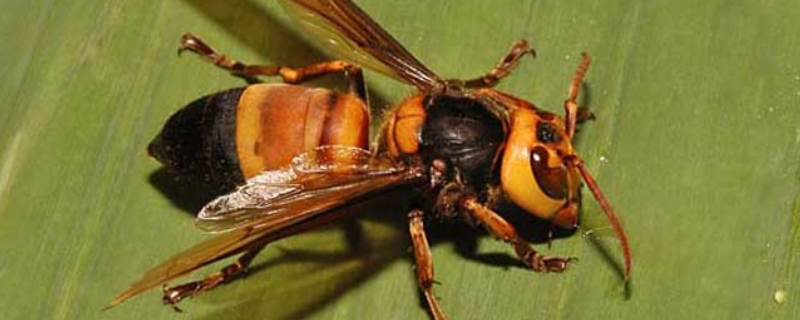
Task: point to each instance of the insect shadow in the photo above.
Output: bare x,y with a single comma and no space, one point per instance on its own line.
297,279
188,195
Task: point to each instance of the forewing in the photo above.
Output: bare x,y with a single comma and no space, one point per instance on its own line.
318,178
353,35
324,187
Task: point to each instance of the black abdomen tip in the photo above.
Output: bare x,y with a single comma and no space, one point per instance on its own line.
199,142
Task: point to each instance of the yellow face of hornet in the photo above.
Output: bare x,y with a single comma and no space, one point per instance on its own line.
533,173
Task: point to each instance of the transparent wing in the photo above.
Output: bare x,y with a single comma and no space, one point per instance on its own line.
303,197
353,35
315,181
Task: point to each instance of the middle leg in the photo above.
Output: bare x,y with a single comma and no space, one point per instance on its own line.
503,68
424,262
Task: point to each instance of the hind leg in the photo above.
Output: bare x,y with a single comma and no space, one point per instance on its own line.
190,42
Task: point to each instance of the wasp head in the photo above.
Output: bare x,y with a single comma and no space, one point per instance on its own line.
536,172
541,173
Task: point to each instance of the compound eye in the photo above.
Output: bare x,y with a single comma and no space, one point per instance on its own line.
546,133
553,181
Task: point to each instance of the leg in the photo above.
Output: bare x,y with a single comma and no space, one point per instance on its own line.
501,229
574,114
173,295
424,261
508,63
290,75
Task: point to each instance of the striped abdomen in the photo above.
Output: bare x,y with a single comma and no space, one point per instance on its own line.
224,138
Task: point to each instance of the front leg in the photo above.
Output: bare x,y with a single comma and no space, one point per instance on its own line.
424,262
501,229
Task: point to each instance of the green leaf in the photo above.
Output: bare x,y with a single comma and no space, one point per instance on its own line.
696,144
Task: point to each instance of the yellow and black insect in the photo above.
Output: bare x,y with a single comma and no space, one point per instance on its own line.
296,155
